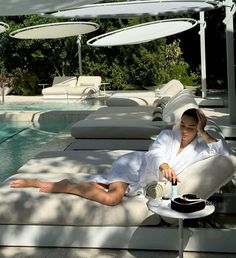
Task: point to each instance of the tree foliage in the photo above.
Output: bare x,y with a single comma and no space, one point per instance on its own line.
125,67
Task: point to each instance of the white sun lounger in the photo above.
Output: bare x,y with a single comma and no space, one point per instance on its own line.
145,98
62,220
109,124
59,87
68,87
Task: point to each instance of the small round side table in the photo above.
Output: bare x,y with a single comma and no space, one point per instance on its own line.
163,208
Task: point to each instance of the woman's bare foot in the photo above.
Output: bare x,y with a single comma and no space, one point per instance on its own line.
54,187
21,183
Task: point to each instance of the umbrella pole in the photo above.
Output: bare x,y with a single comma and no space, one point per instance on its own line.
203,54
79,54
229,24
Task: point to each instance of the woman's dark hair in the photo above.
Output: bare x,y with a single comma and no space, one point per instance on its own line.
192,112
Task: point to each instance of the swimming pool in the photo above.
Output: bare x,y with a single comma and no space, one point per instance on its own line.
28,128
21,141
63,105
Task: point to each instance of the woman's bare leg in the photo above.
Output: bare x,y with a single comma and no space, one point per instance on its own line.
89,190
21,183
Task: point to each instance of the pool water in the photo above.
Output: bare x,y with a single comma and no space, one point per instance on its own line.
42,106
21,141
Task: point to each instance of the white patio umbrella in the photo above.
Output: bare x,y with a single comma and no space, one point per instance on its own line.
24,7
230,9
3,27
148,8
160,7
143,32
138,8
57,30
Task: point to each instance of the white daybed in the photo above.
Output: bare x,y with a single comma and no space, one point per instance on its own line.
32,218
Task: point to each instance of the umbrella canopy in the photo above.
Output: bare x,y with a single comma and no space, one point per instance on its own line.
3,27
55,30
24,7
138,8
143,32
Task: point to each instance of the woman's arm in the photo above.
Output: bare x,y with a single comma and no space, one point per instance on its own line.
216,146
158,155
168,172
202,120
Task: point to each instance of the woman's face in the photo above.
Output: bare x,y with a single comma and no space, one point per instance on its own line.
188,128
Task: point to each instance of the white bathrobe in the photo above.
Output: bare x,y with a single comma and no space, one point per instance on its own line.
140,168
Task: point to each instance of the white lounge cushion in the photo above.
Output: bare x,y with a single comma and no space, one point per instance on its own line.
59,81
114,128
55,90
137,112
110,144
72,162
126,101
135,98
207,176
136,128
89,81
60,85
177,105
171,88
29,206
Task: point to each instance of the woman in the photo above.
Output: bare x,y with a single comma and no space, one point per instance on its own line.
172,152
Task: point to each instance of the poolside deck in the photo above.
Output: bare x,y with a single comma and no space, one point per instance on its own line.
26,252
218,114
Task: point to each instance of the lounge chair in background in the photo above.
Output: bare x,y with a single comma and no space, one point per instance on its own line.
129,127
68,87
145,98
59,88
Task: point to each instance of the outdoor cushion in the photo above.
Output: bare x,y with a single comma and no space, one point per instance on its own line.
126,101
207,176
134,128
157,114
171,88
114,128
96,161
177,105
110,144
60,85
160,105
88,81
137,112
29,206
55,90
66,80
135,98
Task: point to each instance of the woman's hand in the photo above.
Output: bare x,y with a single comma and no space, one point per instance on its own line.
168,172
202,120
